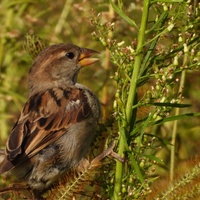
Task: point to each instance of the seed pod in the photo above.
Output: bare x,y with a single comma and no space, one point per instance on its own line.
165,8
185,48
123,189
175,63
33,45
115,104
180,39
130,179
142,164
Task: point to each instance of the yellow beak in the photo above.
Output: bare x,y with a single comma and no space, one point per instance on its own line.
85,59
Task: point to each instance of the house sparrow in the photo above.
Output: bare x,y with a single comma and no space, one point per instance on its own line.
57,124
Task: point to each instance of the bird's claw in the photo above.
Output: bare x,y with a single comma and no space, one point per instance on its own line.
109,152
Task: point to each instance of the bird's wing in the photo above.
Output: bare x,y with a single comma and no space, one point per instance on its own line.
45,117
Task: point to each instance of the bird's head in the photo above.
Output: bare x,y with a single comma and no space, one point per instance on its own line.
58,65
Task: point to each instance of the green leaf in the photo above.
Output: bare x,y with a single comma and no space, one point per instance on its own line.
123,15
161,18
159,138
144,127
178,117
150,180
167,119
176,105
172,53
150,157
135,165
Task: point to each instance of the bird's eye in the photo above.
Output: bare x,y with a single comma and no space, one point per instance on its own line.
70,55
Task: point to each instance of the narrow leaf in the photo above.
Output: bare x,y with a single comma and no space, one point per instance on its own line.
176,105
143,129
168,119
123,15
135,165
150,157
159,138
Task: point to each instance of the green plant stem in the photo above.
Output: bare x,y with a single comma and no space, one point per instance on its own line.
130,101
175,126
133,83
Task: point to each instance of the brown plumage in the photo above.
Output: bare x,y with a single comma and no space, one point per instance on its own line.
57,124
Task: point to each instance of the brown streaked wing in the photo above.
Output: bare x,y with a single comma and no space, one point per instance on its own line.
45,117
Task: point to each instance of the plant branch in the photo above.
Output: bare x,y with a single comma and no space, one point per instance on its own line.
137,64
129,106
177,111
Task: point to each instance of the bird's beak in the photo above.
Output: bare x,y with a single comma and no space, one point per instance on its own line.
85,59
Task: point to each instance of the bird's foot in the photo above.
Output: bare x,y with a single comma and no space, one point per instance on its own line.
109,152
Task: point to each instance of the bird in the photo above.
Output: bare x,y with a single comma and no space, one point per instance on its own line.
57,124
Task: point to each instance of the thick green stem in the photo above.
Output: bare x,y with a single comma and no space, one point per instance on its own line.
133,84
119,170
130,101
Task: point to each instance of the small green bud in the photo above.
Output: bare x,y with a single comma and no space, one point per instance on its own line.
102,26
116,78
165,8
163,100
120,43
142,164
192,52
157,87
185,48
129,69
103,41
123,189
180,39
112,180
115,104
163,77
155,116
170,27
131,49
149,94
94,36
130,179
145,138
175,63
136,139
156,18
117,95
